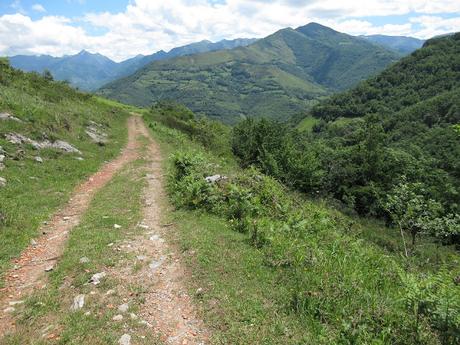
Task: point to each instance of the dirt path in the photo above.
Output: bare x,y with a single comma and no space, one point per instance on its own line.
29,269
168,307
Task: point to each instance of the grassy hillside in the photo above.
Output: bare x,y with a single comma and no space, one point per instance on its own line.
275,77
276,268
38,181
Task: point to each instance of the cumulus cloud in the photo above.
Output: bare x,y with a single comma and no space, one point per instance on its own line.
38,8
146,26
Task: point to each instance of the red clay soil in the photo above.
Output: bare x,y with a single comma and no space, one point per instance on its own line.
28,273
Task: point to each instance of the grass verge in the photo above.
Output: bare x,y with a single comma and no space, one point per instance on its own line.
51,111
46,315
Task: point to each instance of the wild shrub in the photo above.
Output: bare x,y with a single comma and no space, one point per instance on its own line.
436,300
336,281
213,135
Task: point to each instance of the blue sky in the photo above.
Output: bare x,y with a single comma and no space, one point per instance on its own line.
121,28
67,8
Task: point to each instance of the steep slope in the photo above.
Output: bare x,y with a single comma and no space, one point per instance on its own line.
427,73
91,71
401,44
277,76
401,124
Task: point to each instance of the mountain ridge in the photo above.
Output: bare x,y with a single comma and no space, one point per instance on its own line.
277,76
98,69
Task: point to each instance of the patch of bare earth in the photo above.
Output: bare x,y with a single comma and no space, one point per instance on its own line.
168,308
29,271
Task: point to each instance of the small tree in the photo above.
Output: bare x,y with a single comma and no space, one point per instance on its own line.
411,210
47,75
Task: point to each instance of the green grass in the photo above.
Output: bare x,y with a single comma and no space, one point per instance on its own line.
33,190
328,279
69,279
243,301
307,124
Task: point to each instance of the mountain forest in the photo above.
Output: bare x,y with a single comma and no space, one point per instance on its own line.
302,188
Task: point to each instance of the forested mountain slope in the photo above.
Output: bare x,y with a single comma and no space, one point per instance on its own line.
276,77
393,137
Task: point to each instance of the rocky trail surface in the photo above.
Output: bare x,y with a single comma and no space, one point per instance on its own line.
168,309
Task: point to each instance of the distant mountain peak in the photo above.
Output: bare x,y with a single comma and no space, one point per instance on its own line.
315,27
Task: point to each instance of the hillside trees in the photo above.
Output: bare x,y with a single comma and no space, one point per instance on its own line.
360,165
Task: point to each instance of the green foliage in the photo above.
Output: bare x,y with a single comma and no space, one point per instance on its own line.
292,271
425,74
338,284
400,123
211,134
278,151
435,298
47,75
410,209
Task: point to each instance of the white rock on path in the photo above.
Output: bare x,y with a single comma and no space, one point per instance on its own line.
123,308
96,278
78,303
116,226
84,260
125,340
117,318
6,117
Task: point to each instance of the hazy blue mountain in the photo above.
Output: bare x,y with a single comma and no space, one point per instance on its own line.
89,71
84,70
401,44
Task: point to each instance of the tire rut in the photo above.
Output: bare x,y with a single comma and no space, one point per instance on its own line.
28,272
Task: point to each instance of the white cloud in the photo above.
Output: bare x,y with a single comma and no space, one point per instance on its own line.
147,26
38,8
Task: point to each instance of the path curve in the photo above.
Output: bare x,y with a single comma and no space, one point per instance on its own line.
28,272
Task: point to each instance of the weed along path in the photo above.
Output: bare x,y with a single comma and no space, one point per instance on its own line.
29,271
146,271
